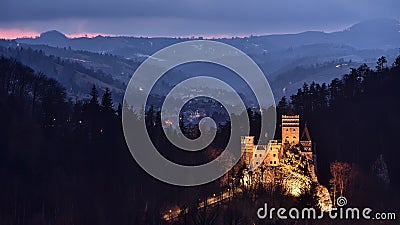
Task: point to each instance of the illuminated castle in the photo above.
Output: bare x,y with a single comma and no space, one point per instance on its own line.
270,154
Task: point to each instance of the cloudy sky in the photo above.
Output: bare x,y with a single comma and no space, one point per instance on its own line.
208,18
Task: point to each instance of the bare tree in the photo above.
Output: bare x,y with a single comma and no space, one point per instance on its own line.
340,178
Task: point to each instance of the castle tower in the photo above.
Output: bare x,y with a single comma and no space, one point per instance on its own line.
290,129
247,147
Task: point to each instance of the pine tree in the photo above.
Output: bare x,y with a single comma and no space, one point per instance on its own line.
283,105
106,101
94,96
380,64
396,63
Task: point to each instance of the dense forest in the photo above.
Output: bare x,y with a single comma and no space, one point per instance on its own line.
64,162
354,118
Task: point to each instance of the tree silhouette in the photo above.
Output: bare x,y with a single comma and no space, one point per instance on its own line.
106,101
396,63
283,105
380,64
340,178
94,96
58,159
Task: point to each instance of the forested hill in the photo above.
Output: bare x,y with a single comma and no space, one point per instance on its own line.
60,161
355,118
69,162
287,60
76,78
63,161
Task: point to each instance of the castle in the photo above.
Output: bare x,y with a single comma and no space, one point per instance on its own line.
270,154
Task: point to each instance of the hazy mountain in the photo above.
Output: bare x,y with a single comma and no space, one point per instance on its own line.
288,60
53,38
378,33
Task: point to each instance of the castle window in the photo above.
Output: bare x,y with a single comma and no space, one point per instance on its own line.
287,129
294,137
257,163
274,155
274,162
294,129
255,155
270,162
287,137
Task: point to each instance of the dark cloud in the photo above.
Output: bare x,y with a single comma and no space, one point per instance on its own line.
187,17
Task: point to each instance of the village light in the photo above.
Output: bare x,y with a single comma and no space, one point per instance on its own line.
168,122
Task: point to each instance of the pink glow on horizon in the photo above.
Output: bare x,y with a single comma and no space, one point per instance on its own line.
25,33
17,33
21,33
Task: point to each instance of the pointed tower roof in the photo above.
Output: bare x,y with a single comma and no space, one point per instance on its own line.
306,135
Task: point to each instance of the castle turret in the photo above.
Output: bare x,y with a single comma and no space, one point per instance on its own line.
307,151
305,140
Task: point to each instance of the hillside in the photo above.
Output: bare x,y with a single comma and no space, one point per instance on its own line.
67,68
279,56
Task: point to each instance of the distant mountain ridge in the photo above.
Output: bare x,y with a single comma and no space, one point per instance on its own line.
382,34
284,58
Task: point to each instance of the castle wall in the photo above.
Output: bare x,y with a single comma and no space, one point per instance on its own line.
272,158
260,151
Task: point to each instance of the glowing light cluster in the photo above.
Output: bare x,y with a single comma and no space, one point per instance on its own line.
296,184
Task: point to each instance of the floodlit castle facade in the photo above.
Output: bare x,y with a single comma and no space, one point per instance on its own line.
270,154
279,154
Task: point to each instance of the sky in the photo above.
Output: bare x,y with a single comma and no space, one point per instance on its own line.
186,18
